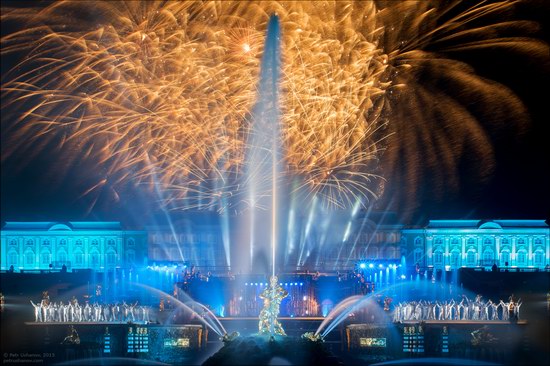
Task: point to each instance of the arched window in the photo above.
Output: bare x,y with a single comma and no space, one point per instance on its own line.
438,258
488,241
111,258
30,243
46,242
521,241
13,243
29,258
131,242
522,258
455,258
488,257
12,258
130,257
471,241
95,242
471,258
438,241
418,256
538,241
539,258
45,258
62,257
418,241
505,241
63,242
79,258
94,259
505,258
454,241
78,242
111,242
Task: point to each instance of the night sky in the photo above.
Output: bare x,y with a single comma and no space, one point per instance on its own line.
40,187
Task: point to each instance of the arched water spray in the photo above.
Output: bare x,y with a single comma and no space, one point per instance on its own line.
220,331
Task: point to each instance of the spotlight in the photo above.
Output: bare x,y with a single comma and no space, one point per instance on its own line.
403,277
371,265
301,283
380,266
362,266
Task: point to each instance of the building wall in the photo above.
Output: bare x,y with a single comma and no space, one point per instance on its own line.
471,243
78,245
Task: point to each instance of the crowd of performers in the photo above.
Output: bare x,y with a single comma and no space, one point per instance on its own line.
72,311
466,309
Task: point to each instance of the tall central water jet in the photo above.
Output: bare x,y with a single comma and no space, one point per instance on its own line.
263,159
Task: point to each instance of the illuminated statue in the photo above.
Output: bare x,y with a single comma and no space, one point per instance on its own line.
272,296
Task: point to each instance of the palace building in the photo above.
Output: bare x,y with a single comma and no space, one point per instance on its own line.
441,244
99,245
452,244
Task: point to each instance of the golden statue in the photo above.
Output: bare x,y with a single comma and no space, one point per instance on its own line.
272,296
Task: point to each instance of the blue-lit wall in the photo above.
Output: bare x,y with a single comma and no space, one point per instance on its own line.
77,245
474,243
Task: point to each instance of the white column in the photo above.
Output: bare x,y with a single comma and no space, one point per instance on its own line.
530,251
513,256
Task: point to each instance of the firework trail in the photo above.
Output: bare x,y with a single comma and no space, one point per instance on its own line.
161,93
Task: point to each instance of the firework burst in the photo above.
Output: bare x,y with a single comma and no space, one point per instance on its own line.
161,93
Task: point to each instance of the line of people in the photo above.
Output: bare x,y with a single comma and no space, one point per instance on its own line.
72,311
466,309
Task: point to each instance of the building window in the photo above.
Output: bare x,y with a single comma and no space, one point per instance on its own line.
94,259
521,241
29,258
454,241
46,242
488,257
505,241
45,258
438,241
62,257
130,257
12,259
417,256
131,242
418,241
79,258
488,241
438,258
63,242
175,255
522,258
538,241
471,241
455,259
539,258
30,243
78,243
471,258
372,252
111,258
505,258
111,242
95,242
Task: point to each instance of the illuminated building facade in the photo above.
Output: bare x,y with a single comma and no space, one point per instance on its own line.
199,241
77,245
474,243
